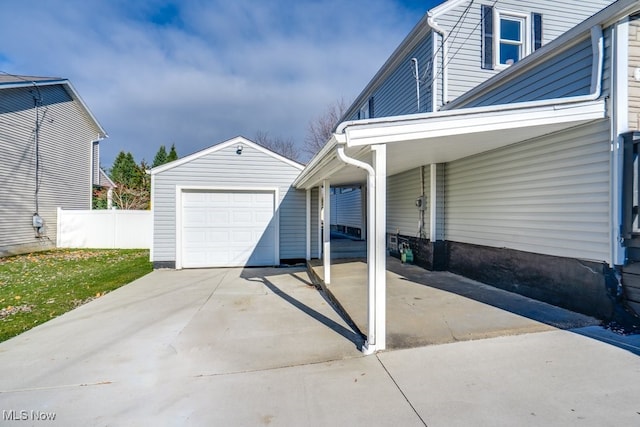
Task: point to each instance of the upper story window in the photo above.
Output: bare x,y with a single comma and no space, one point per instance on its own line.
511,39
507,37
366,111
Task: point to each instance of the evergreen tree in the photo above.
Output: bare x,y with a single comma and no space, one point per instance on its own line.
125,170
161,157
173,154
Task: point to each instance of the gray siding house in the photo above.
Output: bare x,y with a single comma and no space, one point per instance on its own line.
527,182
226,206
49,140
460,44
455,47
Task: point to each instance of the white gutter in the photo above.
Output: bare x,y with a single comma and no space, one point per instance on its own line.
445,54
369,346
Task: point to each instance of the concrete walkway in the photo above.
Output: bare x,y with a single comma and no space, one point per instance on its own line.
426,307
245,347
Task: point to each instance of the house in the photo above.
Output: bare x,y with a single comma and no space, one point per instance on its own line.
231,204
50,158
527,181
453,48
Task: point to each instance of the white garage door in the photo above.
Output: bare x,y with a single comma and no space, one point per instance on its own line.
228,228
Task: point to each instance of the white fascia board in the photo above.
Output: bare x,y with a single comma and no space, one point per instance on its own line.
102,133
472,121
320,157
239,140
445,7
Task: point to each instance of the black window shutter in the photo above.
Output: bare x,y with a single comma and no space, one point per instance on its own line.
371,108
487,37
536,20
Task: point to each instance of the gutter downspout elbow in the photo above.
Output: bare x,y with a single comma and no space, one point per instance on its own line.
370,344
445,55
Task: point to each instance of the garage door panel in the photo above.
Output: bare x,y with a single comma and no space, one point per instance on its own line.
223,228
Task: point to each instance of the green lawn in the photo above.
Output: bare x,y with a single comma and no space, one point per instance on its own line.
39,286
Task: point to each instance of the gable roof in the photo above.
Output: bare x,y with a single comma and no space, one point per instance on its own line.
105,181
221,146
9,81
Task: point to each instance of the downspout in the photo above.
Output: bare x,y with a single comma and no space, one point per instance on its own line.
371,333
445,55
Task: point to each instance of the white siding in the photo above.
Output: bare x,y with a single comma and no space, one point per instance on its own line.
464,65
65,148
226,169
634,64
402,191
547,196
346,208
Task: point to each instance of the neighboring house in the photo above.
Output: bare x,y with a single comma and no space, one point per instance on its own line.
49,140
527,182
229,205
105,182
456,46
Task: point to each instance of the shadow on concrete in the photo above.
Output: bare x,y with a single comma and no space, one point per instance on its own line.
350,335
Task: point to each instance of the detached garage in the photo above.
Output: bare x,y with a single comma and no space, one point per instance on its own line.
231,205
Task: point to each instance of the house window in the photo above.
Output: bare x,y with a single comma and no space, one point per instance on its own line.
507,37
366,111
511,39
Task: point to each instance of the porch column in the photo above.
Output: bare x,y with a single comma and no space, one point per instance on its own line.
433,203
326,232
436,217
377,304
308,225
380,291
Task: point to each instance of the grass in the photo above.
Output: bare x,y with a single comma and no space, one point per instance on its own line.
37,287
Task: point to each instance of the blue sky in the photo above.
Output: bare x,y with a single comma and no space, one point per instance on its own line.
198,72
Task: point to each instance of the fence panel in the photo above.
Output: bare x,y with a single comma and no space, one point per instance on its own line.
105,229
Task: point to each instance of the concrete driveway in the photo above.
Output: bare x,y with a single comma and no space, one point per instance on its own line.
244,347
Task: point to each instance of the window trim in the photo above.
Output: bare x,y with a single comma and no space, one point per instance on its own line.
497,36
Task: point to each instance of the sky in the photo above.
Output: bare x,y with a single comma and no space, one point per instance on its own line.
195,73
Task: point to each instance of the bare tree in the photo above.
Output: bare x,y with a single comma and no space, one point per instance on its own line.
320,129
283,146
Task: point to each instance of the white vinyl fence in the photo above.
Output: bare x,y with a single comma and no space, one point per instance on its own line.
105,229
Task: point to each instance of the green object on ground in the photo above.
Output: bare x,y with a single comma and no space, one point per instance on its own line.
37,287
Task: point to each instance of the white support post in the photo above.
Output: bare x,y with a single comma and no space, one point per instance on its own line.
319,224
380,291
326,232
433,203
308,225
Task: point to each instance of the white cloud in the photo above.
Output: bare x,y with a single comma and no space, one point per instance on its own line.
200,72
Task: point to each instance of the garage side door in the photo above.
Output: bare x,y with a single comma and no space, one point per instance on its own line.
228,228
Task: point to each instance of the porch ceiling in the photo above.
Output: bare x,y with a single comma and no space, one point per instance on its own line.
441,137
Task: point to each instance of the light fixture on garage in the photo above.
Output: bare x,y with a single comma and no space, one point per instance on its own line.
239,149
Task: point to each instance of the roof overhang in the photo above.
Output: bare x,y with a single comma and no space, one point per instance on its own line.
441,137
30,81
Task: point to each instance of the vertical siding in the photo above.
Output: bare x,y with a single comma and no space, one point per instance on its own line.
224,168
402,191
634,64
65,146
547,196
464,65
